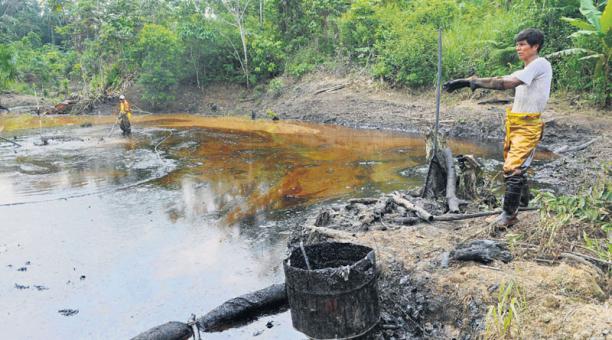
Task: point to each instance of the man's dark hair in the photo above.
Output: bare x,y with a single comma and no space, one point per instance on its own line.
532,36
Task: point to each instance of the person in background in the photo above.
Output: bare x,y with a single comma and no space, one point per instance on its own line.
125,115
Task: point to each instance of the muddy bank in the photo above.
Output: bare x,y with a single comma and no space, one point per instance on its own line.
429,292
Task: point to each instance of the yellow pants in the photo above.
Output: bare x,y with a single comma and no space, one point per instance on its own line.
523,133
128,114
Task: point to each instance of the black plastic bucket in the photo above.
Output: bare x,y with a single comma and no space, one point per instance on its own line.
338,298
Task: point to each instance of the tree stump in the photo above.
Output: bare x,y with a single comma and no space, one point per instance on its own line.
470,177
441,178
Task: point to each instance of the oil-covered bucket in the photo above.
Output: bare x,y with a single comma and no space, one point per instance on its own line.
338,297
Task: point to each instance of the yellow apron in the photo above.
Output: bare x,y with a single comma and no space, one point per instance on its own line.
523,133
124,107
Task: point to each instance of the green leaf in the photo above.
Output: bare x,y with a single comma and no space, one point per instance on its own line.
593,56
606,19
590,12
608,39
599,68
581,33
569,51
579,23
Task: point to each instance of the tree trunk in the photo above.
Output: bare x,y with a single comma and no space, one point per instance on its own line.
435,183
244,51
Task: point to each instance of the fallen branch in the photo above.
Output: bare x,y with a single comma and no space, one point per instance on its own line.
451,182
489,267
330,89
10,141
455,217
547,261
589,260
27,108
422,213
567,148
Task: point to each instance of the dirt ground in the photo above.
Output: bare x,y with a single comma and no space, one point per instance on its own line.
422,298
561,300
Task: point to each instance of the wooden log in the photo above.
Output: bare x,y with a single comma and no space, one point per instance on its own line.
451,182
567,148
456,217
421,213
330,89
596,263
28,108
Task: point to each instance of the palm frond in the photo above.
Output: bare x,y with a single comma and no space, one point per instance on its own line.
588,9
569,51
579,23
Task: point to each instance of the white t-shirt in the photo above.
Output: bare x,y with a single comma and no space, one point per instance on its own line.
533,94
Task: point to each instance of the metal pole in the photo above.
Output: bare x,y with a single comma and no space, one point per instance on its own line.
436,126
438,86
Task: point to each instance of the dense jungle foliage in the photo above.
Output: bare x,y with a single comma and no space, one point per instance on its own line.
52,47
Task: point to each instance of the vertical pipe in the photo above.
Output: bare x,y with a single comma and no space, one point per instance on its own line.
436,126
438,85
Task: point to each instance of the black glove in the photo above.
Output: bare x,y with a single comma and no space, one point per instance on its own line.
456,84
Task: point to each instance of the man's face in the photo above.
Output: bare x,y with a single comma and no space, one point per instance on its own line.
525,51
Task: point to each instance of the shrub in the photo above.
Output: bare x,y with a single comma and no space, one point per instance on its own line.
267,56
159,50
303,62
275,87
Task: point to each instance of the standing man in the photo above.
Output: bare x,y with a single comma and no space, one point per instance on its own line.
125,114
524,126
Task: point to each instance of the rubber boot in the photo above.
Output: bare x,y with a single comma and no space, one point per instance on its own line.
512,198
525,195
124,124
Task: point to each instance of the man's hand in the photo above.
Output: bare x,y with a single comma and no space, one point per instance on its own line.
456,84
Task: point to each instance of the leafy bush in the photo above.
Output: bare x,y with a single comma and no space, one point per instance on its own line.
303,62
587,215
275,87
7,66
593,41
359,27
267,56
43,65
159,49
